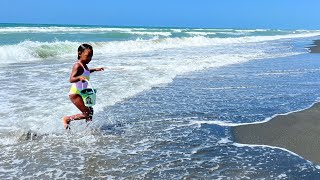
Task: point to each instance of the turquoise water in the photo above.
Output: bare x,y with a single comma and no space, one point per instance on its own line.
165,103
14,33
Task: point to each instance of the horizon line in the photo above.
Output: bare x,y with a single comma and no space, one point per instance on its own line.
141,26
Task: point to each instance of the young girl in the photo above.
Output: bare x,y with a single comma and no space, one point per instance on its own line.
79,76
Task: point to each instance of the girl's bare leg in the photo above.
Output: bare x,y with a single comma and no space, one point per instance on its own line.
86,111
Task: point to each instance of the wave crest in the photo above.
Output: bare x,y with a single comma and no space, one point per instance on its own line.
34,50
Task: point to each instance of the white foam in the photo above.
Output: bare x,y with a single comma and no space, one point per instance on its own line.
233,124
201,33
215,122
151,33
130,76
8,141
272,117
136,66
54,29
252,30
271,147
33,50
29,51
224,141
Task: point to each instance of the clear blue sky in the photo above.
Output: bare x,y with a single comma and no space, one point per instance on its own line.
284,14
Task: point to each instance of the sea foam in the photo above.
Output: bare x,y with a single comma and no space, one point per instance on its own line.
34,50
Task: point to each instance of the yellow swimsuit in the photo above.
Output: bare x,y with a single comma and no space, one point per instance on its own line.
78,86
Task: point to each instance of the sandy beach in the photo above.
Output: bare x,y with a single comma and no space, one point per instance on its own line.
298,132
316,47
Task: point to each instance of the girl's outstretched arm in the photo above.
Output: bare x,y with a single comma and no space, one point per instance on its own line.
96,69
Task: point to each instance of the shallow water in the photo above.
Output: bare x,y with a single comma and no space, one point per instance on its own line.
180,130
164,106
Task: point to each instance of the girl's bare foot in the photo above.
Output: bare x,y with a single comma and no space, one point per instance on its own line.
66,122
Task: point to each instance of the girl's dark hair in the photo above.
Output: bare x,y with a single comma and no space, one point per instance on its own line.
83,47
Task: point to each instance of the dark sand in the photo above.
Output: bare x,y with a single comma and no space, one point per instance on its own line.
316,47
298,132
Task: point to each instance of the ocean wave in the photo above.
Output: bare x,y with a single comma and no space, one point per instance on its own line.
34,50
150,33
201,33
31,50
52,29
107,30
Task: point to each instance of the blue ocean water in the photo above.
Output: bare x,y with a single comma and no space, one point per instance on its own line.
165,103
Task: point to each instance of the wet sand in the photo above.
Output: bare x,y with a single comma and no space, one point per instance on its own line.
316,47
298,132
